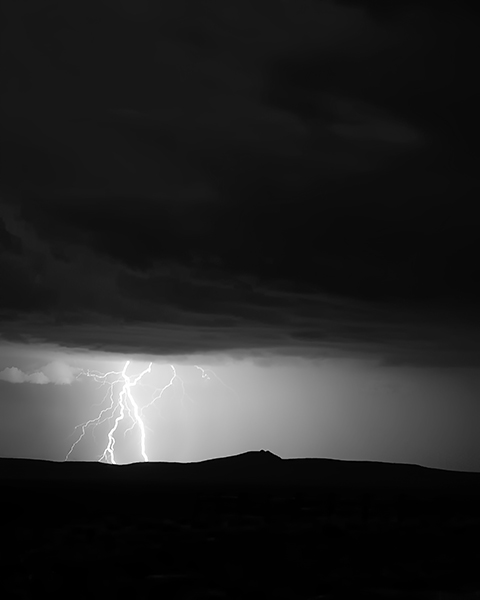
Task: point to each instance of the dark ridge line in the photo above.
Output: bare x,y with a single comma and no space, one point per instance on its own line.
253,469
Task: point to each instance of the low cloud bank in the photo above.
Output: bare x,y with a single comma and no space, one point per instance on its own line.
56,372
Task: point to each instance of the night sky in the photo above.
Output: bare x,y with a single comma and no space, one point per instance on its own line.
281,193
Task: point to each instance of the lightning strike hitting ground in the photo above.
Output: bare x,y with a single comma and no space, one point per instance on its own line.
126,402
137,419
122,405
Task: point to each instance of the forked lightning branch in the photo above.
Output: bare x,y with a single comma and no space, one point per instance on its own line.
121,405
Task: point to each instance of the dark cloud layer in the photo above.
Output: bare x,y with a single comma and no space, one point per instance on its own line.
234,176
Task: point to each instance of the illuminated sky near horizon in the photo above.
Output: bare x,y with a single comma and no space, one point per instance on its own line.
283,192
335,407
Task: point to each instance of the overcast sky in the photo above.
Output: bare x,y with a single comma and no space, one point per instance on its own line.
260,188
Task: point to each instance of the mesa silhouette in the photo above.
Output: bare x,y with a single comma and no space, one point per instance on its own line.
254,468
227,527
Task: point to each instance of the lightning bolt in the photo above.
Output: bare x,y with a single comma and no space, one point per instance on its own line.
126,394
126,403
158,392
102,379
204,373
121,404
208,378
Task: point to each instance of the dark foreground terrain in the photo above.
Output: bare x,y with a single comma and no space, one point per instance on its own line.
248,526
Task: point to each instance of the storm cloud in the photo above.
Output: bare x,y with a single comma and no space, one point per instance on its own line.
236,176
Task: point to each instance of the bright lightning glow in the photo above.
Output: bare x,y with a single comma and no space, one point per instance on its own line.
123,406
126,403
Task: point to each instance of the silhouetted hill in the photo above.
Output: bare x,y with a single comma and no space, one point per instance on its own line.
247,526
248,469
